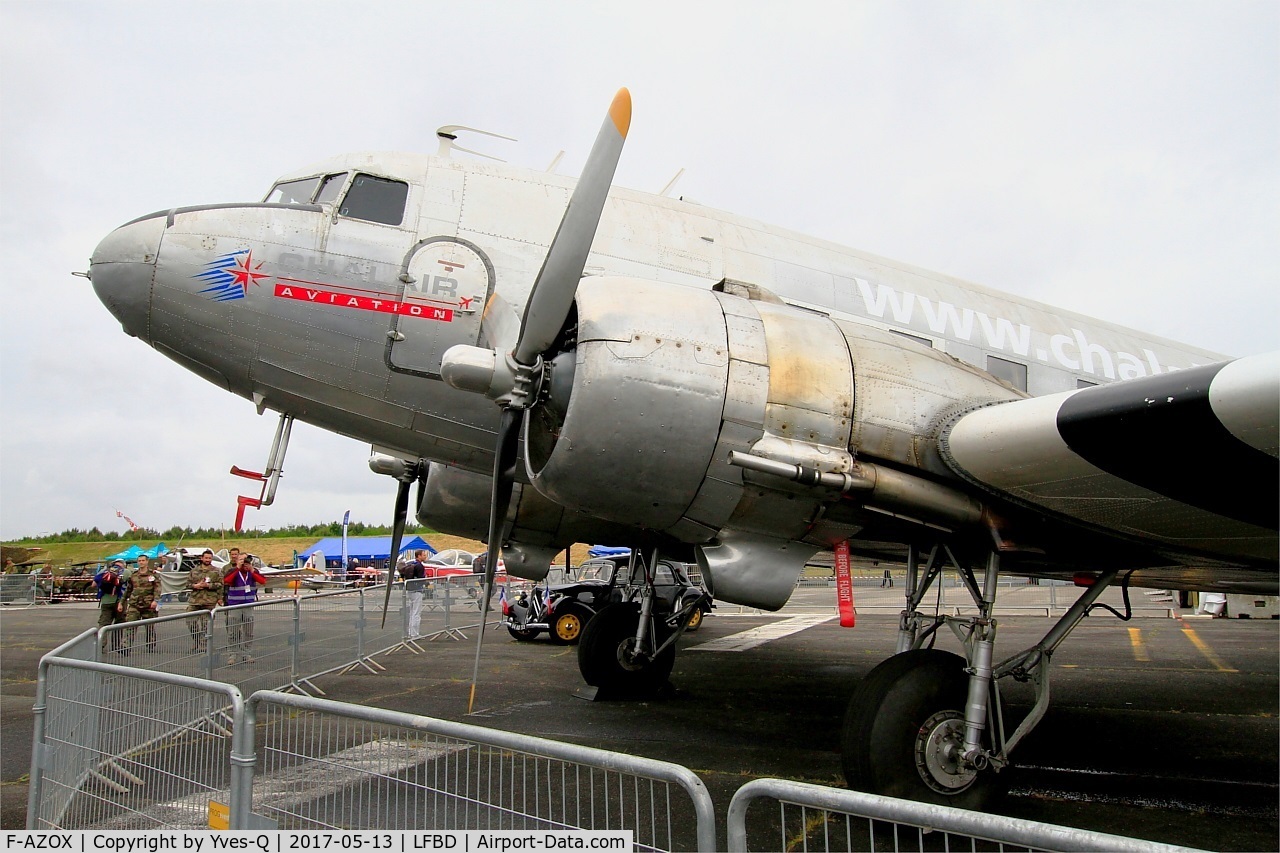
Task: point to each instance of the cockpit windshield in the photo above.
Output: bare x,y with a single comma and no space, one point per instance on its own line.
368,197
321,189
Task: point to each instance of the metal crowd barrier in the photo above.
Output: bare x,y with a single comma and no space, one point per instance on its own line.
122,748
812,817
287,641
329,765
159,734
17,589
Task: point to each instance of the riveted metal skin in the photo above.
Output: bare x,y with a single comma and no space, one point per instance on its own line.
713,373
904,392
647,367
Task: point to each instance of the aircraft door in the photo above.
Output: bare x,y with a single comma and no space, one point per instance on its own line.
444,286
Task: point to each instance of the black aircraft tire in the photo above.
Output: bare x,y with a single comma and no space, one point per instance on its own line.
568,623
521,634
602,647
885,745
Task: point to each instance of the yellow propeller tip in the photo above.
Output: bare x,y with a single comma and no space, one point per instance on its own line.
620,111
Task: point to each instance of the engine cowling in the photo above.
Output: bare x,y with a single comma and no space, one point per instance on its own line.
666,381
534,532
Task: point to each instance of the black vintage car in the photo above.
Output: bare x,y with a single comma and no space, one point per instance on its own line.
563,609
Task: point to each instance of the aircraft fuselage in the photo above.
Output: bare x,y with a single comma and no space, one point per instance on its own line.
335,299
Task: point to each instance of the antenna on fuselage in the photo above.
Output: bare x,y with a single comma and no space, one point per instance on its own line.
449,133
555,162
671,183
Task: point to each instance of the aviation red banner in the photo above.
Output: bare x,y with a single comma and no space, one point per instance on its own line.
362,303
844,587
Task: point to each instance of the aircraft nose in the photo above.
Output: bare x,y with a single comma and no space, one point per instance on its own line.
122,269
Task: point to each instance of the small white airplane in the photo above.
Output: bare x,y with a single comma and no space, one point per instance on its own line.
700,385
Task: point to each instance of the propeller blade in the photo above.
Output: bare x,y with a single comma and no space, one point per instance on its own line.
397,535
550,299
504,464
557,281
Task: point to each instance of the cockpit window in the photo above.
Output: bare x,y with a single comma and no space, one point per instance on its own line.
293,192
330,187
376,200
304,191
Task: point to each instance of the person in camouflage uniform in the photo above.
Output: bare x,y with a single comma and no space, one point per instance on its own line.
205,585
142,599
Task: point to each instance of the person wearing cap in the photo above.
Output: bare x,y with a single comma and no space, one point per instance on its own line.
110,585
204,585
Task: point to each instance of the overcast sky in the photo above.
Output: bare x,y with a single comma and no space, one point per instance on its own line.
1115,158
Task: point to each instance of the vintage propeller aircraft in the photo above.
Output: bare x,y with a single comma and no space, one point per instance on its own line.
694,383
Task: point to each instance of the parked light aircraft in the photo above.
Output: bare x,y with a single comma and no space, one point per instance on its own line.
694,383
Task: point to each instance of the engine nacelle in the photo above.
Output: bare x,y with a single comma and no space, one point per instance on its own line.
668,380
534,531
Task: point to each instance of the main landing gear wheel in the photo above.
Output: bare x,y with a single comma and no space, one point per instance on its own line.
567,625
606,656
904,733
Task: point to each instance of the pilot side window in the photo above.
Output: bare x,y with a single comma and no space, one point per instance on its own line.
330,187
376,200
320,189
1010,371
293,192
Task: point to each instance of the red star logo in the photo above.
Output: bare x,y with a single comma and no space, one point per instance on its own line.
244,272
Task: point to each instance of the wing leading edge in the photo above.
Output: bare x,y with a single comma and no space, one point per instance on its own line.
1185,461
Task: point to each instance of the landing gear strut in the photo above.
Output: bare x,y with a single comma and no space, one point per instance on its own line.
929,725
627,648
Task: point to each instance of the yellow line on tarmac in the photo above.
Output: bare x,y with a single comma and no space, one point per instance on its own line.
1139,647
1204,649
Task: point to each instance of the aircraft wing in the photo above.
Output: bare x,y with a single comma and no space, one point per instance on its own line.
1186,460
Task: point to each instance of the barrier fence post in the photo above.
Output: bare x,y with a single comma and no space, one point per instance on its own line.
360,620
296,641
207,627
243,760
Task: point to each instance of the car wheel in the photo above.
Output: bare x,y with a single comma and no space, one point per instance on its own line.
566,628
695,620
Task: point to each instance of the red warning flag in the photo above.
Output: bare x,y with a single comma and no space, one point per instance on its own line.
844,587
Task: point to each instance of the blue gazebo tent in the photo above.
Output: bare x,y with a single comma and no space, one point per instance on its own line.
133,552
606,551
129,554
367,549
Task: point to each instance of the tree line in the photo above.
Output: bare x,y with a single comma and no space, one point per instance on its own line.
175,534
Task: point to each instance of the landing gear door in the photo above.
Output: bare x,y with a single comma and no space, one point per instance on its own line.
445,283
